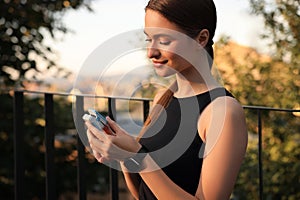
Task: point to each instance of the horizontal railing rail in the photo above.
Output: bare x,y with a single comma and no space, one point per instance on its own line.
49,140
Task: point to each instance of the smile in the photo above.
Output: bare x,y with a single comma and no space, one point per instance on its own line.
159,63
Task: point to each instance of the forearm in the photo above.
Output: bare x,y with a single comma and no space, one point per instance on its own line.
160,184
132,182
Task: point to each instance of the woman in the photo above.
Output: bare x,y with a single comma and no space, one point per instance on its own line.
194,140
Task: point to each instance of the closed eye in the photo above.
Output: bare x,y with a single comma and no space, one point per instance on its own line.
148,40
165,42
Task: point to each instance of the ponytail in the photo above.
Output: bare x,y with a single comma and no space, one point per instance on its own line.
161,104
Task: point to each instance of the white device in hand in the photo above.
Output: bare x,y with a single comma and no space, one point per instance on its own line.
98,121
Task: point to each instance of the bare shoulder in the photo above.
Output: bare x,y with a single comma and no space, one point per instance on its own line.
224,106
230,105
223,127
224,110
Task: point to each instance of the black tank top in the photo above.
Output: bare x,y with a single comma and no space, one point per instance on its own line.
174,142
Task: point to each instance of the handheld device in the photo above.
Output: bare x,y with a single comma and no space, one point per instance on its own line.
98,121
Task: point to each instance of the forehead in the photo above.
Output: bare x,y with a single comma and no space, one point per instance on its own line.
155,23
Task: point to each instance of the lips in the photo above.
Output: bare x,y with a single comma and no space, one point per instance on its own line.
159,63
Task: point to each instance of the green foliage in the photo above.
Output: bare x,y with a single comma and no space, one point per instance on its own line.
280,158
65,154
270,81
6,144
282,20
24,25
267,83
274,82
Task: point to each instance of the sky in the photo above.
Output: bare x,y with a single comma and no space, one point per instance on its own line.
113,17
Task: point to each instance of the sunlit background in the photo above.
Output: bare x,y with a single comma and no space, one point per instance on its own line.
110,18
263,75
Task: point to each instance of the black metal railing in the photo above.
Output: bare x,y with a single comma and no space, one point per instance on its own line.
259,110
81,180
49,143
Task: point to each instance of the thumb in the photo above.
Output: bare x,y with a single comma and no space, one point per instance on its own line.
113,125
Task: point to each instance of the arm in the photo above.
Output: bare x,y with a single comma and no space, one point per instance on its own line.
220,165
226,142
132,181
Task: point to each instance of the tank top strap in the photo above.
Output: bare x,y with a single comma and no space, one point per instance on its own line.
204,99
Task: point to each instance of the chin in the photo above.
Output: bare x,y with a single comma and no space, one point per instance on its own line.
164,73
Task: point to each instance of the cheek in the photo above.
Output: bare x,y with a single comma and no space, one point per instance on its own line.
179,53
187,58
179,56
178,62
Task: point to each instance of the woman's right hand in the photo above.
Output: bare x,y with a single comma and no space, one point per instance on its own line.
119,146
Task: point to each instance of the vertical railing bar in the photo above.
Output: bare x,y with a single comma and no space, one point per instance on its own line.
114,185
146,107
112,108
260,163
49,145
19,144
81,179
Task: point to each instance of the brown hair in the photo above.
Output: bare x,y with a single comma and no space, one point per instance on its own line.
162,102
191,16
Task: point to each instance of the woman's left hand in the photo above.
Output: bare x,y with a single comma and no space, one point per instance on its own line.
119,146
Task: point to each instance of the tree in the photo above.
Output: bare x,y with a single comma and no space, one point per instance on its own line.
24,25
34,151
256,79
269,80
281,141
282,22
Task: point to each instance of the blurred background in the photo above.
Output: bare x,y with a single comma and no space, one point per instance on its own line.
45,43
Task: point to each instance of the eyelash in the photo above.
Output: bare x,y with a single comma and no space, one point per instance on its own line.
165,43
162,43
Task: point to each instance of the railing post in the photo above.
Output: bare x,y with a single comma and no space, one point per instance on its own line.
81,179
260,163
146,107
49,144
18,144
113,172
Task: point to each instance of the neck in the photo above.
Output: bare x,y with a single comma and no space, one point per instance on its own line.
191,83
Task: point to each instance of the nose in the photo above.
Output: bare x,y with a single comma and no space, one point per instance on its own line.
153,52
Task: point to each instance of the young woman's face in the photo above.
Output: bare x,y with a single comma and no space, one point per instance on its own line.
167,45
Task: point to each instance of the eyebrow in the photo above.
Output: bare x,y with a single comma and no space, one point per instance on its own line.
159,35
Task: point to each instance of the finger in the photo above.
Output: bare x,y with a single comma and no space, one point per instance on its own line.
91,127
114,126
105,160
91,137
98,146
95,131
97,155
100,158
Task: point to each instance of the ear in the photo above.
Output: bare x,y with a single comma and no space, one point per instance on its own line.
203,37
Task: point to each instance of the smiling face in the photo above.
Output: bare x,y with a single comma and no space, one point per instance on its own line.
167,45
